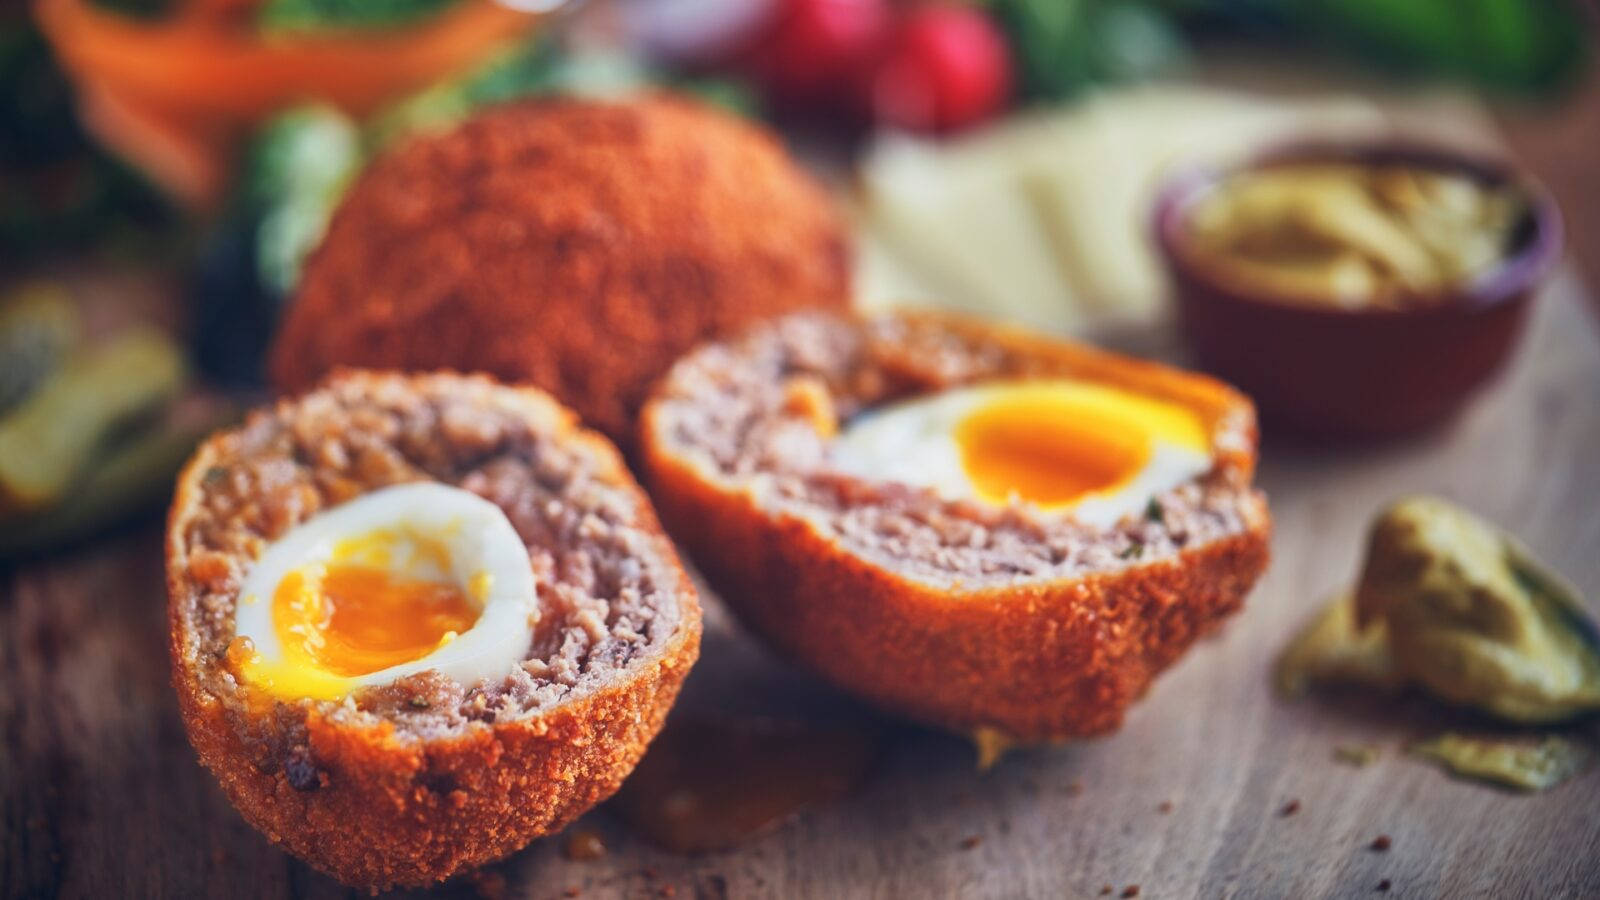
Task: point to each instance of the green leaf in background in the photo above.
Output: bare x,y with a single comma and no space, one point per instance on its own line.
1528,45
1132,40
731,94
300,163
310,15
1064,46
536,67
1531,46
1047,39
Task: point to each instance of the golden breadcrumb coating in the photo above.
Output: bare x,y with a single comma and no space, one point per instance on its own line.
1053,652
578,245
413,782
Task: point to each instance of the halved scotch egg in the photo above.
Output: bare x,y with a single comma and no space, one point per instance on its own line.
419,621
969,525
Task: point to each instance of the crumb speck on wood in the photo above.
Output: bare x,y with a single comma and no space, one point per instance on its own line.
1290,808
1131,890
1165,807
1381,843
583,846
489,885
971,841
1384,885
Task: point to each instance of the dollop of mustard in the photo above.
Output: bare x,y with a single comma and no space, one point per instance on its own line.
1452,604
1355,235
1513,763
1474,618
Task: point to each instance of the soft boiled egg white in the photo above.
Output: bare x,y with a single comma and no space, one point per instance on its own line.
398,581
1093,451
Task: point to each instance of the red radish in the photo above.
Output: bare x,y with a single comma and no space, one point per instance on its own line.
947,67
816,50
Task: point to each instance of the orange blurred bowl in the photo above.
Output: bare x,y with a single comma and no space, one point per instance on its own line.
1362,372
173,95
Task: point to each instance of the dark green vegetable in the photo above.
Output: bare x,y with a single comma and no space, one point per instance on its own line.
232,315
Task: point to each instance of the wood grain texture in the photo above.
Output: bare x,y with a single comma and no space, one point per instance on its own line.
101,795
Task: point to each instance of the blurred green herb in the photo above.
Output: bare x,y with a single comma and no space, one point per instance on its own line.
1523,45
1530,46
1154,512
1064,46
299,166
311,15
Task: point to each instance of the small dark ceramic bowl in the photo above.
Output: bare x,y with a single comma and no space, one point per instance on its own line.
1365,372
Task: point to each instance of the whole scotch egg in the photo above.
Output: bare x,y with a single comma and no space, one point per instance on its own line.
989,531
419,621
578,245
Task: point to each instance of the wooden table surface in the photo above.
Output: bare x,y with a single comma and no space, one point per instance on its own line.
101,795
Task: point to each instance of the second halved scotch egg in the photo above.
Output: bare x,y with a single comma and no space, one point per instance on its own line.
982,529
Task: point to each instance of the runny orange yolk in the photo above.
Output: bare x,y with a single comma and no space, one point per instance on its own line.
1054,444
355,615
357,619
